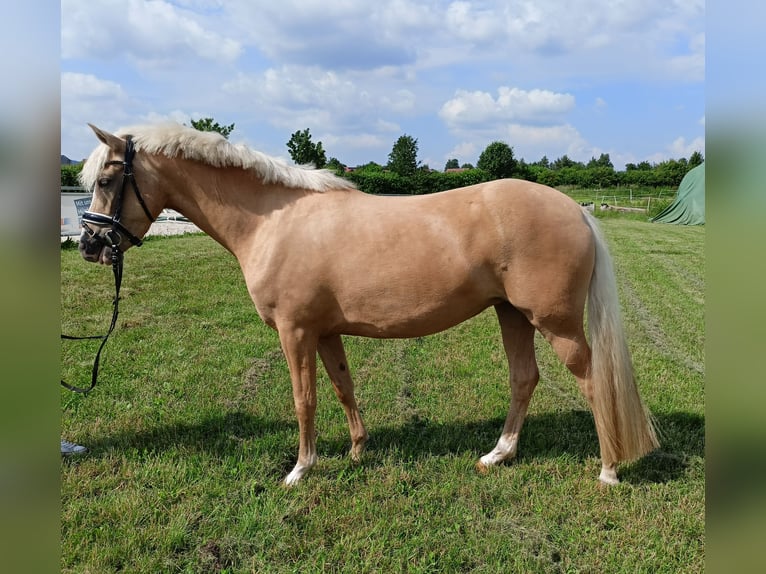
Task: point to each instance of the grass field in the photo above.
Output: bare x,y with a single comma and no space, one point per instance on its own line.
192,429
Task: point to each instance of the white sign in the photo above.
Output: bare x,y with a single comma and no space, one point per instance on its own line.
72,207
81,205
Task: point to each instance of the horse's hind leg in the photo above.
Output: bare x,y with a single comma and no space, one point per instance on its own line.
573,350
333,356
518,341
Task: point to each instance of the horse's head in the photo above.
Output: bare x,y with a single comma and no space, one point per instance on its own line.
119,214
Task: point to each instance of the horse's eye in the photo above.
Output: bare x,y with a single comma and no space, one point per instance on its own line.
103,182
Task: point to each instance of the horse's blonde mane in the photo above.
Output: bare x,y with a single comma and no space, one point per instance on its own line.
176,140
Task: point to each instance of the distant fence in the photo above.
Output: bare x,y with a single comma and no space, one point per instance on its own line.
624,197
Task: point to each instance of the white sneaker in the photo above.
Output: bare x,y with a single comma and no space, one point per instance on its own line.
69,448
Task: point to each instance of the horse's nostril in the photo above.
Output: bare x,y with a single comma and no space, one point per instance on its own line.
90,244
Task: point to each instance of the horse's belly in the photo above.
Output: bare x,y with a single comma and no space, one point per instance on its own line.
404,319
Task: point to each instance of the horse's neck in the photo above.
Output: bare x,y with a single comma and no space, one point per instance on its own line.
229,204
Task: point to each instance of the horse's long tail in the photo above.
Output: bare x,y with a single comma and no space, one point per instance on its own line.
623,423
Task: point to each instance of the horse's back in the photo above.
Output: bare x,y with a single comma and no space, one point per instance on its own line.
514,226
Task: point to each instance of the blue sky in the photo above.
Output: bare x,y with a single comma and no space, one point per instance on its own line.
548,77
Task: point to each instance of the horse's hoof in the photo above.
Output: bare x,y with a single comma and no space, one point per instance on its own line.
608,477
481,468
356,454
295,476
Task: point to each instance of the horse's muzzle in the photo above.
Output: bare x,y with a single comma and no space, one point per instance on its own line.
95,247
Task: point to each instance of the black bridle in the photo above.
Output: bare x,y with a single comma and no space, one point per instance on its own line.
114,221
114,238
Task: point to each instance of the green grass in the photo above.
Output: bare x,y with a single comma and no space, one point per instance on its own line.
192,429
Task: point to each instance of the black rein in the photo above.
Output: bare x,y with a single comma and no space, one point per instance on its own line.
115,239
117,270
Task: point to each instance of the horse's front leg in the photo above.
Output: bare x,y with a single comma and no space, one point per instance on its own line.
300,349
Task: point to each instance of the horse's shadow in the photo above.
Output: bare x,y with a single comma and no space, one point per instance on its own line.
550,435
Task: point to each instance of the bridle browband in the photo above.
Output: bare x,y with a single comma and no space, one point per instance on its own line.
114,237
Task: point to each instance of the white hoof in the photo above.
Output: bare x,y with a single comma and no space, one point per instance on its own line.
609,476
504,451
488,460
296,475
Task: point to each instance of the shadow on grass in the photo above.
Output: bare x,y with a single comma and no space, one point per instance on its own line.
222,435
544,436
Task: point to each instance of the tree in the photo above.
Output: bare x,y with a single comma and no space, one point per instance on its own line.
497,160
523,170
70,174
403,159
602,161
563,162
671,172
335,164
304,151
696,159
369,167
451,164
208,125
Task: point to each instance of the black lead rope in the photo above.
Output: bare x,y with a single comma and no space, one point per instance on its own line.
115,239
117,270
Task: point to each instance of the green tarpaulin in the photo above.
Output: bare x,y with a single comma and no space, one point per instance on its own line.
689,206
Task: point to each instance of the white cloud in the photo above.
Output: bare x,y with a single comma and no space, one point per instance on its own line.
368,34
326,100
544,37
88,86
385,126
359,71
560,135
678,148
89,99
401,101
364,140
512,104
689,65
178,116
464,152
533,142
479,25
682,148
151,33
343,34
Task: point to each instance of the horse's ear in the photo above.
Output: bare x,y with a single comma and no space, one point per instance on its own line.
105,137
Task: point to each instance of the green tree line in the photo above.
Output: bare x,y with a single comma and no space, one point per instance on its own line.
405,175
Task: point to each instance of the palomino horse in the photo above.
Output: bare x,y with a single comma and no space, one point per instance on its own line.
322,259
